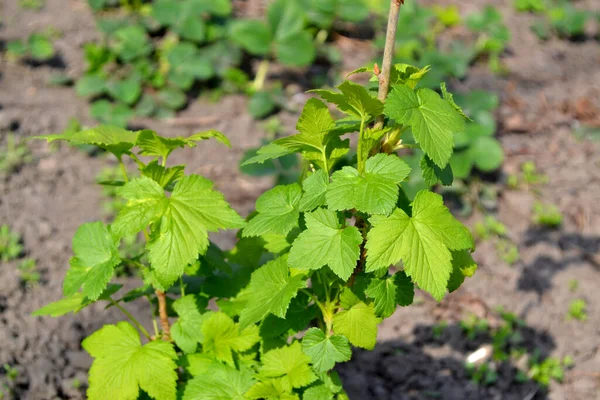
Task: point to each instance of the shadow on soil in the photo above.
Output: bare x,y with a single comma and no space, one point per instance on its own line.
537,276
433,366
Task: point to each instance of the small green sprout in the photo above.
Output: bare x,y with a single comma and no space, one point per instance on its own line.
10,244
547,215
28,270
508,251
13,155
573,285
577,310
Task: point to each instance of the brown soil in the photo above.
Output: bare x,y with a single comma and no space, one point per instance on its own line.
45,202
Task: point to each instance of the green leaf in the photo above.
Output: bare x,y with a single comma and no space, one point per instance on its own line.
405,293
90,85
487,154
219,383
461,163
172,98
273,289
433,120
315,187
375,192
96,255
422,241
204,135
358,324
161,175
354,100
261,104
325,351
320,392
40,47
127,91
267,152
253,36
271,389
296,50
290,364
173,245
112,139
278,211
146,203
185,60
463,266
186,330
315,139
73,303
131,42
222,336
122,365
450,99
432,174
390,292
325,242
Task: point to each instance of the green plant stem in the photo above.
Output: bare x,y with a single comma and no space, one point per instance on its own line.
132,319
124,170
181,286
360,160
388,55
261,75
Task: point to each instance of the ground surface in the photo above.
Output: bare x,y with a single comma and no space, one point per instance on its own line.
48,199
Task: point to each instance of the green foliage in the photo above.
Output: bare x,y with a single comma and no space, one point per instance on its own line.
475,146
547,215
493,35
13,155
316,253
10,244
577,310
37,47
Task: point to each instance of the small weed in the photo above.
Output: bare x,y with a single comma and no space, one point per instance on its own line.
438,330
11,372
38,47
76,384
473,326
577,310
484,374
547,215
13,155
28,271
531,176
508,251
10,244
543,372
489,227
573,285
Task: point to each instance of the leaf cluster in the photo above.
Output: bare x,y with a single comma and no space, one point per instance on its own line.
37,47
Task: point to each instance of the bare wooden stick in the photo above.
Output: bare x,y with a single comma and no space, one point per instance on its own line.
164,317
388,54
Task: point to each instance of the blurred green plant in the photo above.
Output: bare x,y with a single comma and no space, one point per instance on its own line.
35,5
493,36
28,272
547,215
37,47
10,244
476,146
13,155
577,310
491,228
